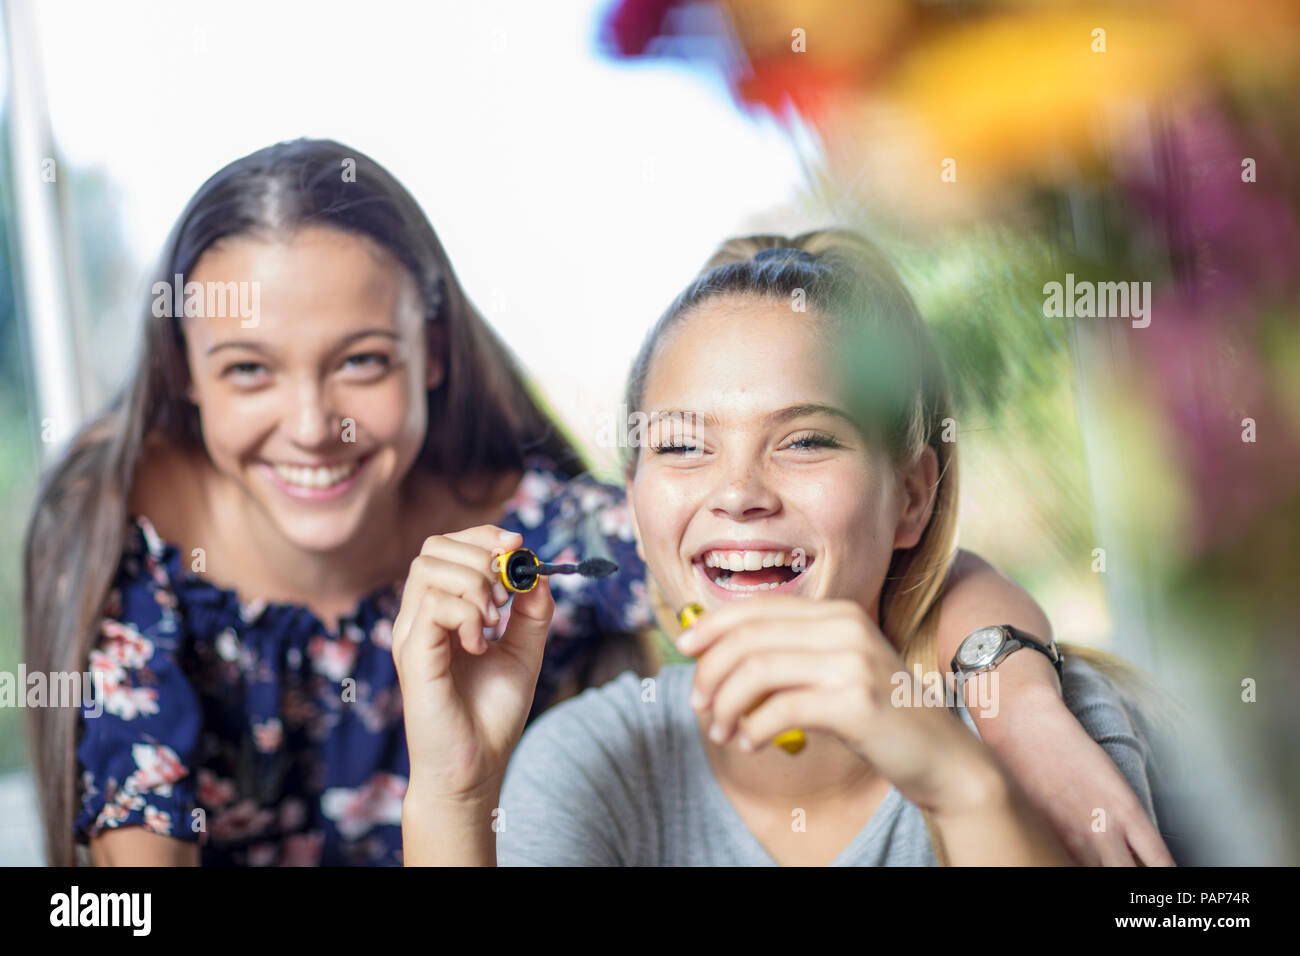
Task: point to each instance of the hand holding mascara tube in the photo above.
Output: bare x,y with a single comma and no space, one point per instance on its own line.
791,741
466,695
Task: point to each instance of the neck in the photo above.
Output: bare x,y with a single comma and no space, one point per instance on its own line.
331,582
825,770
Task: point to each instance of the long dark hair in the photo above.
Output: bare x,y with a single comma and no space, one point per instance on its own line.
482,417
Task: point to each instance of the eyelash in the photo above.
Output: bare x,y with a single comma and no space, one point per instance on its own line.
811,440
816,440
236,368
232,369
673,447
383,359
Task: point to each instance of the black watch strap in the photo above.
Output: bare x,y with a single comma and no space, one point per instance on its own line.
1052,652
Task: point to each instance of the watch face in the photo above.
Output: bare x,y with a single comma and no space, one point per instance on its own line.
981,647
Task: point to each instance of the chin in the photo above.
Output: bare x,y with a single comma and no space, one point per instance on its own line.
321,517
322,533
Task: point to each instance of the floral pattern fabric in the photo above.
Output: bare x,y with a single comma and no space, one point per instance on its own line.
255,731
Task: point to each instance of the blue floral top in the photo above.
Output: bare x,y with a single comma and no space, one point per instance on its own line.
258,733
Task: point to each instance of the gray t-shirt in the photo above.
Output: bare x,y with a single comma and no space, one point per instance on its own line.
618,776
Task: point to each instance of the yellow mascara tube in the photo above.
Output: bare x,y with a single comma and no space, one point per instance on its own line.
791,741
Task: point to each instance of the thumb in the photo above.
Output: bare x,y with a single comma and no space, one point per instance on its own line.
530,617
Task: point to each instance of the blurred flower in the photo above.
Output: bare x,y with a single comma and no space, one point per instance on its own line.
632,24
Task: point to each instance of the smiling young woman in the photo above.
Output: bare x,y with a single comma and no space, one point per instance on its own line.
225,545
807,508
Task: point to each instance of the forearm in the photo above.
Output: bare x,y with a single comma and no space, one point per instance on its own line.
976,596
996,826
1023,687
438,832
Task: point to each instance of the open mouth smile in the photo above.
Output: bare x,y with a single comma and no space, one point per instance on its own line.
732,572
315,482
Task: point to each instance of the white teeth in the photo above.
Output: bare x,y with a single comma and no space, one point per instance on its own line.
315,477
747,560
725,582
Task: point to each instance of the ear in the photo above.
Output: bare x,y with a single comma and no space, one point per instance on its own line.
435,355
636,528
918,486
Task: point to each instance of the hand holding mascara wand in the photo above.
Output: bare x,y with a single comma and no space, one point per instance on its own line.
791,741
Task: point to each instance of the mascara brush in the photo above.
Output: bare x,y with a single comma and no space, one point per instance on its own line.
520,569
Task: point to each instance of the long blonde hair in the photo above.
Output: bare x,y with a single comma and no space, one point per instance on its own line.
845,278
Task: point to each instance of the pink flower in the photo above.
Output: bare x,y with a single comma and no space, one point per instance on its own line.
529,499
116,696
214,791
333,659
268,735
157,820
356,810
159,769
111,815
124,644
129,703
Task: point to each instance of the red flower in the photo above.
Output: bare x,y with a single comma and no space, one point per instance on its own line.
634,23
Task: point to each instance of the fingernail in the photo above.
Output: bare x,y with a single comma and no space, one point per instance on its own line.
493,616
685,641
697,699
506,536
716,734
499,593
745,744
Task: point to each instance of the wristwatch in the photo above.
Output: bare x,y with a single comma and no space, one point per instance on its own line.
986,648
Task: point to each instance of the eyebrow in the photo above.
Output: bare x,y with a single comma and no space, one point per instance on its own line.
344,343
778,417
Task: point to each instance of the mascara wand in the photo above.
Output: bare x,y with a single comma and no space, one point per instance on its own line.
520,569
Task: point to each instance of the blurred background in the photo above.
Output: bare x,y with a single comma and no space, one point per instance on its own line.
580,160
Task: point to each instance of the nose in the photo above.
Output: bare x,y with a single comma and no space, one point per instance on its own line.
311,417
744,493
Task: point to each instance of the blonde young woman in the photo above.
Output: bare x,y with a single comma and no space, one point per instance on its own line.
764,448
